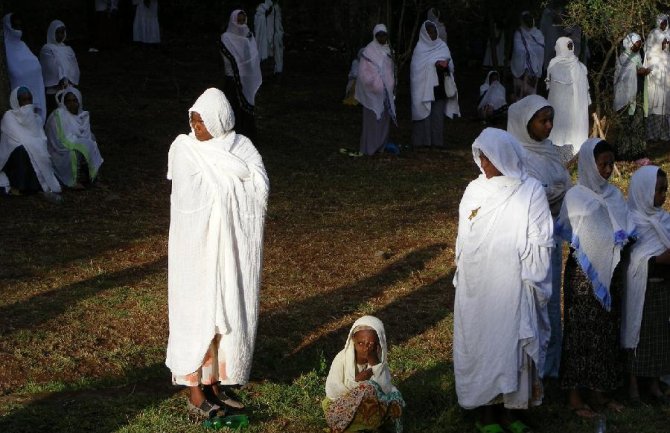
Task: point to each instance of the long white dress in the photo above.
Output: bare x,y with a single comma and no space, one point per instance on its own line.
145,26
58,61
270,33
657,83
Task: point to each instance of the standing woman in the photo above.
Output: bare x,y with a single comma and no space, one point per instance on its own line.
217,213
527,57
433,89
59,63
375,90
645,332
502,282
568,86
242,71
628,101
657,59
594,218
530,120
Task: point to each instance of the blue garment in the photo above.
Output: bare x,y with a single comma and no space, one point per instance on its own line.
553,359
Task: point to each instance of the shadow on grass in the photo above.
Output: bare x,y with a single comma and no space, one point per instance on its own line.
281,332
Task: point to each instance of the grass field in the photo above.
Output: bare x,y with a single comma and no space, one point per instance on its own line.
83,285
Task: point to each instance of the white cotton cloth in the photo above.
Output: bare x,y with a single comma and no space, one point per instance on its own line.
270,33
503,279
242,44
493,94
542,158
527,52
568,86
657,82
653,229
145,25
423,75
375,85
217,213
342,375
23,67
57,59
434,16
67,132
625,74
21,126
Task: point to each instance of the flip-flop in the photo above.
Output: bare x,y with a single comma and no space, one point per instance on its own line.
518,427
489,428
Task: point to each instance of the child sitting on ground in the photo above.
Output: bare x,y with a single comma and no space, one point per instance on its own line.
359,393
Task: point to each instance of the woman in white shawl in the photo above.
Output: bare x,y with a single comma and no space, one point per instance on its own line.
145,25
568,85
217,214
242,71
503,283
628,101
270,33
433,88
657,82
492,97
527,57
22,65
59,63
72,146
433,15
594,219
359,378
375,90
530,120
644,329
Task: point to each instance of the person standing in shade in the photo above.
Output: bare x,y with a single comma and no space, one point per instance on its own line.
657,82
145,25
270,33
60,68
527,57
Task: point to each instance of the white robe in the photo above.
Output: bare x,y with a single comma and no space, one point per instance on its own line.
529,56
270,33
658,80
242,45
218,204
58,60
376,78
145,25
503,279
567,81
492,94
625,76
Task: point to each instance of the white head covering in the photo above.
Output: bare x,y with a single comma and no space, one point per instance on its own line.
653,226
216,112
25,115
58,60
564,55
528,51
630,40
242,44
625,73
365,322
434,16
80,123
376,81
492,94
659,20
503,150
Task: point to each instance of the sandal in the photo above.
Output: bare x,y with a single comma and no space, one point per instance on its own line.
584,411
518,427
225,397
489,428
205,410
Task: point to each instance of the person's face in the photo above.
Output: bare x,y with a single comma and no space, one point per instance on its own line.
60,34
571,46
16,22
540,125
636,46
241,18
605,164
492,78
664,24
489,169
382,37
527,20
432,32
25,98
199,129
71,103
660,191
365,341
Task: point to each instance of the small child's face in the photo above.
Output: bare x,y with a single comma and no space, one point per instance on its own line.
365,341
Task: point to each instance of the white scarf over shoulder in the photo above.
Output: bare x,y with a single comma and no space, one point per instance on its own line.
376,76
657,82
527,52
503,279
57,59
568,86
242,44
21,126
625,73
594,219
542,158
23,67
342,375
423,75
492,94
653,229
217,213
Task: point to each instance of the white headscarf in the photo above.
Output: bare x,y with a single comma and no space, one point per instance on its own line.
503,150
58,60
434,16
216,112
653,227
494,94
242,44
365,322
625,73
80,123
25,117
376,76
423,75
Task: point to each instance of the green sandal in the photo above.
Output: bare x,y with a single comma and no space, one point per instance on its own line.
519,427
489,428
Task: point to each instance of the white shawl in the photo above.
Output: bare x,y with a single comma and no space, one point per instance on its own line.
145,25
493,94
503,279
57,59
21,126
342,375
653,228
423,75
67,133
434,16
23,67
242,44
625,74
542,158
527,52
568,86
376,76
218,204
657,82
268,28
